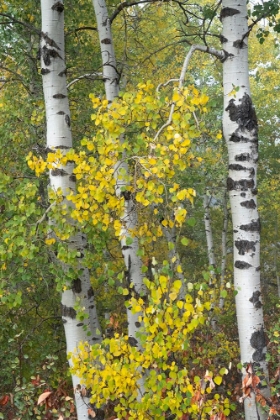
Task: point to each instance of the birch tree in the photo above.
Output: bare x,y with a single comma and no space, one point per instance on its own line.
129,242
241,134
62,180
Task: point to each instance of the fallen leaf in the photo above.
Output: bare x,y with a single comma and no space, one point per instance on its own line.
43,397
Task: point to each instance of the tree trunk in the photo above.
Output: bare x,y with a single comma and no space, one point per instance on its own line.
209,233
59,137
224,249
241,134
129,219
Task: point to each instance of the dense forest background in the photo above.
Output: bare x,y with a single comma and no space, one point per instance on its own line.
146,215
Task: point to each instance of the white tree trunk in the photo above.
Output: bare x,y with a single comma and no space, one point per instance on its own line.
224,249
209,233
59,137
132,261
174,259
241,134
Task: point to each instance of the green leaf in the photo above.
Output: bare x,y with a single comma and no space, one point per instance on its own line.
191,221
129,241
223,293
185,241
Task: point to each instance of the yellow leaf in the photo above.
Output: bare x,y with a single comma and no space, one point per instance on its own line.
218,380
179,269
173,296
50,241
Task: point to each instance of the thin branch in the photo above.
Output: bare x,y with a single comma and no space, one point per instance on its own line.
217,53
19,22
90,76
162,48
44,215
127,4
81,28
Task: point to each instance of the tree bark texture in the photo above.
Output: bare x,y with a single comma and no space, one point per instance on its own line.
59,137
111,78
241,134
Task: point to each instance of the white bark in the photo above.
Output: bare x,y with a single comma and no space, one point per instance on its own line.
133,262
241,134
174,259
209,233
59,137
224,249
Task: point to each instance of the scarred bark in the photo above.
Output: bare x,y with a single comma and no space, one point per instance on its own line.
59,137
241,134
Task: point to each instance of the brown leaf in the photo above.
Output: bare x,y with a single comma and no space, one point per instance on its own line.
4,399
43,397
91,412
83,392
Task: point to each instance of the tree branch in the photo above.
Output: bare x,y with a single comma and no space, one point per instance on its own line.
90,76
212,51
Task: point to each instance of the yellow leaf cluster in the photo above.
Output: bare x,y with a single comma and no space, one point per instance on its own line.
115,368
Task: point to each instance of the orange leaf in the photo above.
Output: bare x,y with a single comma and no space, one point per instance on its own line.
91,412
43,397
4,399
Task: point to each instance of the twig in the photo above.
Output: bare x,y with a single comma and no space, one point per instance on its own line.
44,215
90,76
212,51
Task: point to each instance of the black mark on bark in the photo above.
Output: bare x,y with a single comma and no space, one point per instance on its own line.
237,137
58,172
227,12
68,311
62,73
243,194
67,120
255,299
243,114
242,184
125,247
77,286
237,167
59,96
58,6
44,71
106,41
80,324
226,55
49,41
90,293
137,324
72,178
132,341
242,265
47,54
254,226
239,43
243,157
61,146
249,204
258,342
60,113
244,246
223,39
126,195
